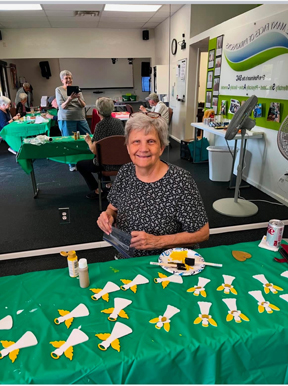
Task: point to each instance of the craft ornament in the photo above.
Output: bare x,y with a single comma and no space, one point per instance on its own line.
132,284
267,286
76,337
204,316
262,303
285,274
240,255
165,280
12,348
68,317
118,310
164,321
227,285
112,339
6,323
233,313
200,288
104,293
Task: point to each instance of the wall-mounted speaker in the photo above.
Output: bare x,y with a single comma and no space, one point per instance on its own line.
145,69
145,34
45,69
0,36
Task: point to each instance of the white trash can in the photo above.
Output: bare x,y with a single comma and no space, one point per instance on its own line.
220,163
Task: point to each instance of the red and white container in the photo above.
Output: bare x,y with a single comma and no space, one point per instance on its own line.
274,233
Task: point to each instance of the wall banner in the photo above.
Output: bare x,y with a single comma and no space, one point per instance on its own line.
255,59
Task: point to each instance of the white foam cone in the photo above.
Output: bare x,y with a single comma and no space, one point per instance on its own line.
231,304
109,287
284,297
202,281
119,304
6,323
76,337
228,279
261,278
79,311
118,331
139,279
257,295
285,274
170,311
205,307
27,340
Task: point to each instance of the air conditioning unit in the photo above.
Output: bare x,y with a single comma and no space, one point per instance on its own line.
86,13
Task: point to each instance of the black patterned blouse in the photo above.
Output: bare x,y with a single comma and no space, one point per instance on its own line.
170,205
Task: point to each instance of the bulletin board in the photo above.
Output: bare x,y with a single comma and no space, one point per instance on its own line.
238,83
181,80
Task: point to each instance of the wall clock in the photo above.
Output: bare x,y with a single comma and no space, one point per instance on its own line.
174,44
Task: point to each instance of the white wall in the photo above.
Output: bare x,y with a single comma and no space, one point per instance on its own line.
202,76
30,69
267,164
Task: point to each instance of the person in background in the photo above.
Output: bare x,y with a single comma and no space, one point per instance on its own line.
53,103
21,106
157,203
71,113
5,116
105,128
156,106
26,90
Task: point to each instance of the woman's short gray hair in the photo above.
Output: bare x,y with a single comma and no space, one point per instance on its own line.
4,101
27,85
65,73
142,121
22,96
105,106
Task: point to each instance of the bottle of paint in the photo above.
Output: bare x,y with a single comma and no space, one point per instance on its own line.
72,260
83,274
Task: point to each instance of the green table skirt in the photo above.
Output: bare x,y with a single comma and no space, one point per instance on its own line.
253,351
61,149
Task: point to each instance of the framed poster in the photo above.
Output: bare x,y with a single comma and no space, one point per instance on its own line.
209,79
219,45
211,58
208,98
216,84
218,63
215,104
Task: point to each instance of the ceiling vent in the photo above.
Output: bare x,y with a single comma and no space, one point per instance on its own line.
87,13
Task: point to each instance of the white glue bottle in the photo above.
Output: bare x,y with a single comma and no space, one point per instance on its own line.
72,261
83,274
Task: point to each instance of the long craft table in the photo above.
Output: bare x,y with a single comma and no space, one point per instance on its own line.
61,149
221,133
225,352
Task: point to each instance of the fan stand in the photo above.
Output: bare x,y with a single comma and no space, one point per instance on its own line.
235,207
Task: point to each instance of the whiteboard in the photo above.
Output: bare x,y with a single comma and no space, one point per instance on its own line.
99,73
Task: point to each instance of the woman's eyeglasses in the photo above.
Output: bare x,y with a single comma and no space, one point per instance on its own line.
150,114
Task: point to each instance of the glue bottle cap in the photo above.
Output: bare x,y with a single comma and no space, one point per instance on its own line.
82,263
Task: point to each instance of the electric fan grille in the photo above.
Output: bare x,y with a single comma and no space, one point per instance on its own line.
282,138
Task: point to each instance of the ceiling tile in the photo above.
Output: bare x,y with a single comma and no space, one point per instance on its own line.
73,7
125,19
120,25
131,15
72,24
151,25
21,24
13,15
60,13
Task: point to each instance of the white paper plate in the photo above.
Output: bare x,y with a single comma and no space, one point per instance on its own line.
171,255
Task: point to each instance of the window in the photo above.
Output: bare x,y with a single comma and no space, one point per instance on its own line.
146,83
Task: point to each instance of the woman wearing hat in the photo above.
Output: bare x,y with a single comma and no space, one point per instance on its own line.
156,106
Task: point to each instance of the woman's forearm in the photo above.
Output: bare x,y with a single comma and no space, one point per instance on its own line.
81,102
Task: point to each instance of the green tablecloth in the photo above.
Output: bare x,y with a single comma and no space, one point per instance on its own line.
14,132
253,351
61,149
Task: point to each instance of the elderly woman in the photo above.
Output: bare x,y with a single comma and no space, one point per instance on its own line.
156,202
71,113
5,116
105,128
26,89
21,106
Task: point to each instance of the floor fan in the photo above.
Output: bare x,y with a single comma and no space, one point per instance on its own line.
236,207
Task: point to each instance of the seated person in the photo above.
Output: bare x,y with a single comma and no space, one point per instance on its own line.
21,106
53,102
156,202
105,128
156,106
5,116
26,90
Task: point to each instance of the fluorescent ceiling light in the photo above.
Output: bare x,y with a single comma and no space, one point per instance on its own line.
131,7
20,7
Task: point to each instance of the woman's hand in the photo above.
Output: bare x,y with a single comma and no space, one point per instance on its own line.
143,240
88,138
105,221
16,117
47,115
142,108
